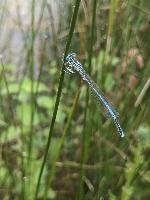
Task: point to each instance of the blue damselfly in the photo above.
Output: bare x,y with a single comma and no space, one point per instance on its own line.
75,66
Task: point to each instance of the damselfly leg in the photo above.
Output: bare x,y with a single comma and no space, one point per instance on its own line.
69,70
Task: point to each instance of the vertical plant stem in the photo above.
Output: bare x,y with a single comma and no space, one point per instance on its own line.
50,178
87,131
8,92
32,78
23,174
112,15
72,26
54,34
29,163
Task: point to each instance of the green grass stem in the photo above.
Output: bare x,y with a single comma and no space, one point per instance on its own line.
72,26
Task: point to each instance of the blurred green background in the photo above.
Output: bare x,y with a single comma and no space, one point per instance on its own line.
56,141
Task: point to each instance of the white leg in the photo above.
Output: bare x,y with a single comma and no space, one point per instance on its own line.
70,70
67,71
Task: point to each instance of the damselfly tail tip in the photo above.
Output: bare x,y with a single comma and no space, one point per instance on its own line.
120,131
122,135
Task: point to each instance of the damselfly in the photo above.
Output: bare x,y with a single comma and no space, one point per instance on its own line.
75,66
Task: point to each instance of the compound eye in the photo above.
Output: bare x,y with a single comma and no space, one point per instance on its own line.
73,54
70,55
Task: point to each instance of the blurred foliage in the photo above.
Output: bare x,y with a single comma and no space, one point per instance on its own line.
114,168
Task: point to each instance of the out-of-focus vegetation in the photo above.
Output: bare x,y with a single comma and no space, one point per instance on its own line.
85,157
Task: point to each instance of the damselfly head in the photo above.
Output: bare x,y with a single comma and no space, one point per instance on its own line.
70,55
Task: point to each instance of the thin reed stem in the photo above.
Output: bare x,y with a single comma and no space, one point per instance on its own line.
8,92
72,26
87,131
53,169
30,143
